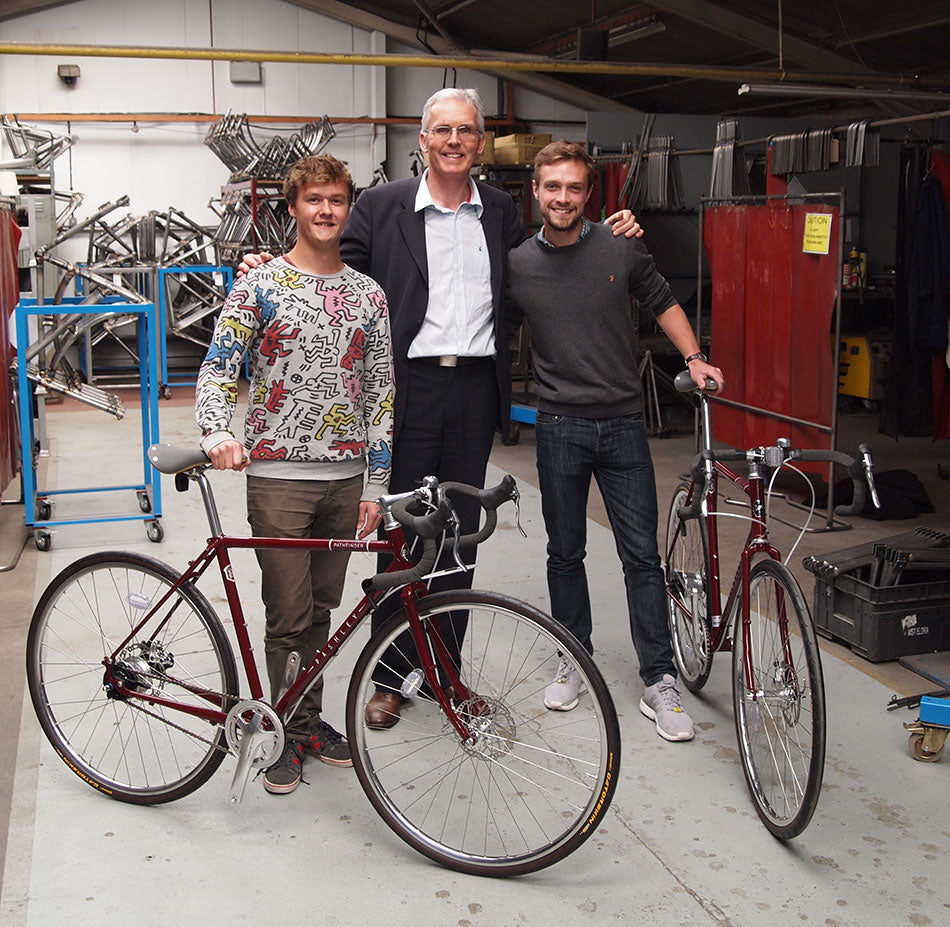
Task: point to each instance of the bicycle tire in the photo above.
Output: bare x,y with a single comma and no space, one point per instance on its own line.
131,750
534,784
781,724
687,549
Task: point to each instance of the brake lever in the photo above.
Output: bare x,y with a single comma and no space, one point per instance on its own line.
869,474
452,523
516,498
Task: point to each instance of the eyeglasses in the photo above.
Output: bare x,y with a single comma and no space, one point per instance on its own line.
465,133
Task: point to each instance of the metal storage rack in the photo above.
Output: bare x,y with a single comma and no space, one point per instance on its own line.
37,506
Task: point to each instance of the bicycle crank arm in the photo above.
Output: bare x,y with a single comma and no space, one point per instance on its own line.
257,744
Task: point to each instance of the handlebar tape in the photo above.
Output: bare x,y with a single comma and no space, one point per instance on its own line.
431,525
855,468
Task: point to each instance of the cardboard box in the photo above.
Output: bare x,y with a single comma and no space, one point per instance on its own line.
488,152
520,148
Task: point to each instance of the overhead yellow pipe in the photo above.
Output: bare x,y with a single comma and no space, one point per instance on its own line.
513,63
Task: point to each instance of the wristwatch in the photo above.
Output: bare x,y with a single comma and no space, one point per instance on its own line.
697,356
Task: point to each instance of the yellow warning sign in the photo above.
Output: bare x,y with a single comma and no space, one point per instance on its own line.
817,232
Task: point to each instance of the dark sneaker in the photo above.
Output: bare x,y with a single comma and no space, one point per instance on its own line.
328,745
284,776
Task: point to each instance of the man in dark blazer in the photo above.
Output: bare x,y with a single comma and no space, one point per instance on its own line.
437,245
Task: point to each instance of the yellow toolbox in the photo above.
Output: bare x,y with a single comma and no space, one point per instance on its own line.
861,365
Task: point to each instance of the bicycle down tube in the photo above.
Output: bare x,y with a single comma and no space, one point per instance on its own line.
217,550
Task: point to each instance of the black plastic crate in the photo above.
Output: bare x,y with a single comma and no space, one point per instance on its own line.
882,622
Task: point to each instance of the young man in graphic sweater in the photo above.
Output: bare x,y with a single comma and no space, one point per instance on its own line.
318,431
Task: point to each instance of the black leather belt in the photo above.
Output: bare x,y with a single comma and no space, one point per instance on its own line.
451,360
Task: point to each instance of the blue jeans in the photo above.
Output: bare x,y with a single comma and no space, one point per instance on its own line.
615,452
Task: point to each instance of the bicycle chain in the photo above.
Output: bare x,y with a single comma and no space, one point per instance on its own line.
153,714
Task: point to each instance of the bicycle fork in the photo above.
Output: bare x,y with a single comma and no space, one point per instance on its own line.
429,668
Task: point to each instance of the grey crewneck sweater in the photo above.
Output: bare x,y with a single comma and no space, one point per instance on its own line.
583,329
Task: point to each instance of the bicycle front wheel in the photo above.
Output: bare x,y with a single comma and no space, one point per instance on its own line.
526,786
779,701
687,598
131,749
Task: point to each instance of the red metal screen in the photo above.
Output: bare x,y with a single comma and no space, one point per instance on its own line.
772,310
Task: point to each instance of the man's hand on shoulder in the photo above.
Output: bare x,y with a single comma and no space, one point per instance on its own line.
253,260
624,223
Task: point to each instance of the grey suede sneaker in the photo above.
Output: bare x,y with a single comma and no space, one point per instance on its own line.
662,703
562,694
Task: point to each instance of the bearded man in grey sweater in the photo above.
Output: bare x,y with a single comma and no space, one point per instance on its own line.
573,282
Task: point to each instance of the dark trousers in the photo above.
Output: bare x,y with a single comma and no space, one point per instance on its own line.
446,432
300,587
615,452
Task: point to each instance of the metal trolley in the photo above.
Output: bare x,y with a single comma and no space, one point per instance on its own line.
37,502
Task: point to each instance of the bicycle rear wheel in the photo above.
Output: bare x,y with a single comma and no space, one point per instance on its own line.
687,593
128,748
530,785
780,718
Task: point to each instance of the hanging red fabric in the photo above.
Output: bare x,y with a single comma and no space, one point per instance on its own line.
940,168
9,296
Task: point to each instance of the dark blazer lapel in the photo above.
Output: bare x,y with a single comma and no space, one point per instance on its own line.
492,222
413,227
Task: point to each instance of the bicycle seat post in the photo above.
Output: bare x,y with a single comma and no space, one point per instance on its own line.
207,496
706,422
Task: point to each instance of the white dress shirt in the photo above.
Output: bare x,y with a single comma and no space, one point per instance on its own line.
458,317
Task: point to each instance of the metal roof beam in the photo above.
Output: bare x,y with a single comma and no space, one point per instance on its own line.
11,8
717,17
541,83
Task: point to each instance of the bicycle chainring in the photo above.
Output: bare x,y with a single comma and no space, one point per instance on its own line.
265,727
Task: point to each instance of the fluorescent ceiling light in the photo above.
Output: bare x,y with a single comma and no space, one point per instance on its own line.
786,89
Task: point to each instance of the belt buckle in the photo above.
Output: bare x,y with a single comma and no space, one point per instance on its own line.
448,360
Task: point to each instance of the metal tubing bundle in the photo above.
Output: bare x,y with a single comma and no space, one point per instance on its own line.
69,384
664,180
730,176
231,139
31,145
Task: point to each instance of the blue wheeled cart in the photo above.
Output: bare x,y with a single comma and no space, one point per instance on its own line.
226,278
37,505
526,414
929,733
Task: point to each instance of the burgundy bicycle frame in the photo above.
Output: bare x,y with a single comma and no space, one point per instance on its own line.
218,549
756,543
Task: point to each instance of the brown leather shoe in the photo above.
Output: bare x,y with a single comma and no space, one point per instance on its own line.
382,710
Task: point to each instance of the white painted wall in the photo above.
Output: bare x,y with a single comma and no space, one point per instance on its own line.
167,163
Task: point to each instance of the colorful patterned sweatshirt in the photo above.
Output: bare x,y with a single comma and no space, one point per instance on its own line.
320,403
